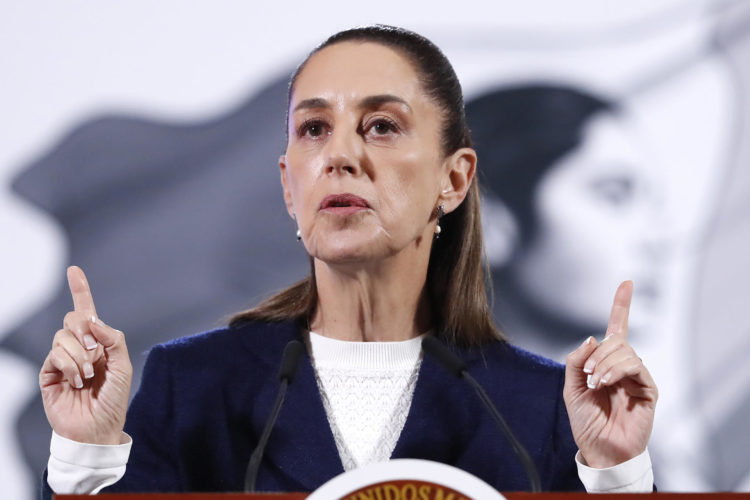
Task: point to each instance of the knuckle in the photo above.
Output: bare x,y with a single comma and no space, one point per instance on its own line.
70,371
69,320
68,317
47,363
597,357
54,357
58,337
63,361
73,347
602,368
79,355
119,336
635,366
75,321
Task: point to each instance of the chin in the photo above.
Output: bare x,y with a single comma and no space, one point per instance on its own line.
347,249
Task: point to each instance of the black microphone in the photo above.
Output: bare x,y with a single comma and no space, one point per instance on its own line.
289,361
433,347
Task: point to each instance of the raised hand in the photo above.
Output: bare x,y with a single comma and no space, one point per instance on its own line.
85,379
609,393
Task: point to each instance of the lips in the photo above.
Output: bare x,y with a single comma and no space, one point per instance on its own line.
343,201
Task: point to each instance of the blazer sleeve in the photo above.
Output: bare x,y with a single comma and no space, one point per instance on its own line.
45,491
565,471
153,464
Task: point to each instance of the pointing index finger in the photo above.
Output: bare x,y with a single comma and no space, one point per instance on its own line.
618,318
80,291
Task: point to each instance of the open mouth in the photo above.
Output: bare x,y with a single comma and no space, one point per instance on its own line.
343,203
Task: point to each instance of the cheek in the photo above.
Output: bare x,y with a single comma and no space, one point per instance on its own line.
300,181
583,246
573,215
408,183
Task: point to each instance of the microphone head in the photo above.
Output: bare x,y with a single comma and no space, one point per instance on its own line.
290,359
433,347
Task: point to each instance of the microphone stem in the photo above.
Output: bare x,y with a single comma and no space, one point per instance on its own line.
518,448
254,464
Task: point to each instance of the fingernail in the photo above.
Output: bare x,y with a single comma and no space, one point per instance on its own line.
90,341
584,344
98,321
88,370
591,381
589,366
606,338
606,378
78,381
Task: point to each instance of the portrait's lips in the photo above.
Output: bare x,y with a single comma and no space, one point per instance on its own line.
343,204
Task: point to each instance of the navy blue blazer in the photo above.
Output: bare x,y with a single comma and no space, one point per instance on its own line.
204,399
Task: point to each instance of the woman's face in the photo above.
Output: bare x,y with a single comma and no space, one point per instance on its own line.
593,212
362,173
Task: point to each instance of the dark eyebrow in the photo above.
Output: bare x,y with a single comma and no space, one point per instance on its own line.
376,101
314,103
370,102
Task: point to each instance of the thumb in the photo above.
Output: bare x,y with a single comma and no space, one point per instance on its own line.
574,374
111,339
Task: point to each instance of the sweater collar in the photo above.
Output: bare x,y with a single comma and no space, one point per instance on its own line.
339,354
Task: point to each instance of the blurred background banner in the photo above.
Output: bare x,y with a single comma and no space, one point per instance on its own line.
141,142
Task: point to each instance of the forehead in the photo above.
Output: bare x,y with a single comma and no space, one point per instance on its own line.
609,144
352,70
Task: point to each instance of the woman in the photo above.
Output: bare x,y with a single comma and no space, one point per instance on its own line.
378,164
566,167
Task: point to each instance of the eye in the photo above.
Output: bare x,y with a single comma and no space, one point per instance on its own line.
312,128
382,126
615,190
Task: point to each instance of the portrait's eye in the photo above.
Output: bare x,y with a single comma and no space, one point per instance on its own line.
614,190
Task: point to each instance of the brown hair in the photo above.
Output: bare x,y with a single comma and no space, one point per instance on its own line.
457,276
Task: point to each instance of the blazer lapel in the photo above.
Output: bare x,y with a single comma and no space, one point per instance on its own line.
301,445
438,420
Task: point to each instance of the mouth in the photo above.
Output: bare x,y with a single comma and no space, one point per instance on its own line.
343,204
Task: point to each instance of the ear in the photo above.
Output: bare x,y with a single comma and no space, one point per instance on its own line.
459,169
285,186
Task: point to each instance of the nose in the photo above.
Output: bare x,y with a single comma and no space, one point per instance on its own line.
343,154
656,245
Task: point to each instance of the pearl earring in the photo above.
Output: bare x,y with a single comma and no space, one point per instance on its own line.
440,213
299,234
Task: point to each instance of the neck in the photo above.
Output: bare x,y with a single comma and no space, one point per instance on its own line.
384,301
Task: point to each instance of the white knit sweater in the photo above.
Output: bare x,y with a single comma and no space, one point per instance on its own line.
367,388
